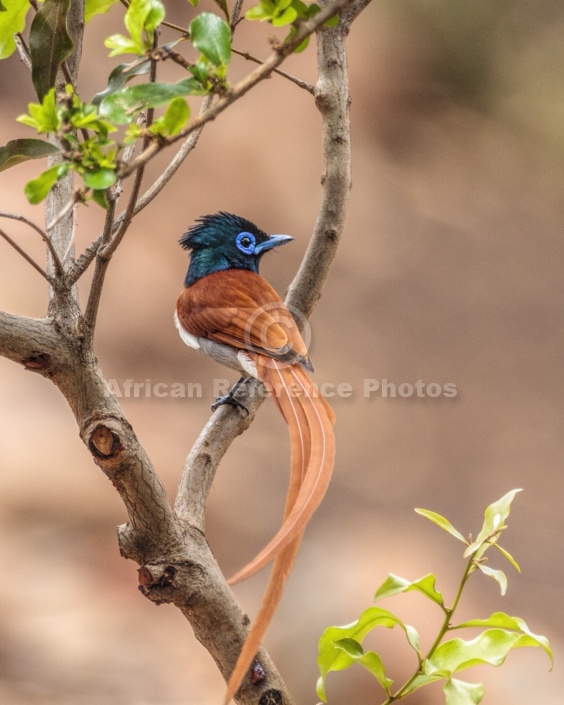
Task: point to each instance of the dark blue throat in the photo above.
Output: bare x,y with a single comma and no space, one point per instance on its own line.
208,260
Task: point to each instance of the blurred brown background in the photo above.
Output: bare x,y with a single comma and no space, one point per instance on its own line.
450,271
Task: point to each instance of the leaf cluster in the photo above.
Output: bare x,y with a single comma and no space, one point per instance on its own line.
94,156
80,127
341,647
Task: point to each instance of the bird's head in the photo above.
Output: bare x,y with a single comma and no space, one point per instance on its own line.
226,241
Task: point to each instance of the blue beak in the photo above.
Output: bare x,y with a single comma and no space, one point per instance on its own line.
273,241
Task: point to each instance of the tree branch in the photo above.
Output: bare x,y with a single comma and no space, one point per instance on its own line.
28,341
333,101
224,425
63,299
236,14
91,311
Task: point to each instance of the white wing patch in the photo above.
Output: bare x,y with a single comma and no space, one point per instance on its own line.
191,340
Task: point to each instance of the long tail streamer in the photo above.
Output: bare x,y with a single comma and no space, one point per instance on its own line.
310,420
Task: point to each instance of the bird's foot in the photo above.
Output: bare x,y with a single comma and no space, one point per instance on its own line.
229,398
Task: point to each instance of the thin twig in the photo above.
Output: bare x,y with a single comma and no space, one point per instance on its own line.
23,49
77,197
67,74
236,14
294,79
69,249
85,260
163,53
25,256
177,27
46,239
100,270
280,53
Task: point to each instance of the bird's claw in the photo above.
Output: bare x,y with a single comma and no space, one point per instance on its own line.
229,399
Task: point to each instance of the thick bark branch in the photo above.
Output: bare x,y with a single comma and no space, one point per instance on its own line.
217,435
31,342
176,562
333,101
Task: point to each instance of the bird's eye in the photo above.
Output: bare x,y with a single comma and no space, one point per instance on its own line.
246,243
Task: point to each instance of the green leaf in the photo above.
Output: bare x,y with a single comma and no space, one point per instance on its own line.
212,37
2,8
97,7
301,47
44,117
461,693
49,44
394,585
141,19
442,522
176,116
370,660
12,21
257,13
490,647
17,151
333,22
504,621
38,189
509,557
99,179
143,16
498,575
494,521
284,18
333,654
122,45
120,76
122,106
99,197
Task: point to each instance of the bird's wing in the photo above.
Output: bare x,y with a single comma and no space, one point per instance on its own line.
239,308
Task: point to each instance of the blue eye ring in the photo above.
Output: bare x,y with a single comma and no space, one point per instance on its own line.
246,243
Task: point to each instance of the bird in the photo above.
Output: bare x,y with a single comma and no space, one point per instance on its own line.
227,311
